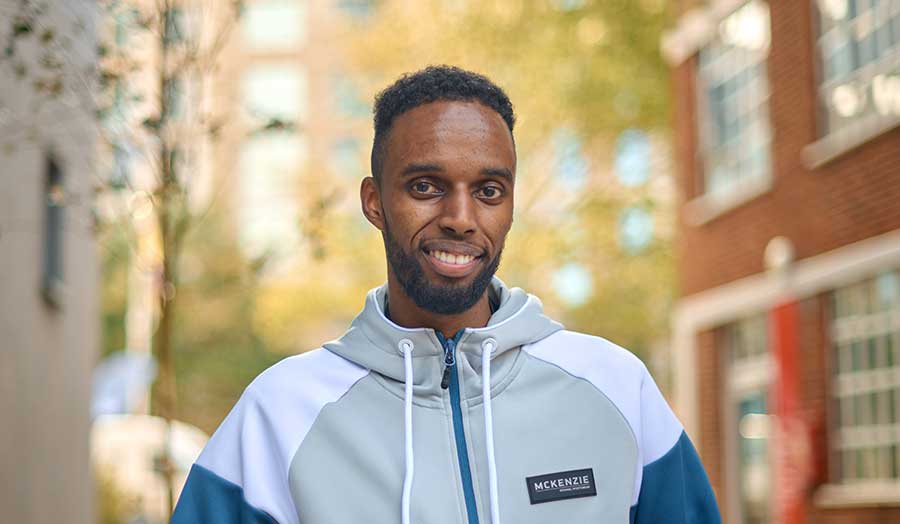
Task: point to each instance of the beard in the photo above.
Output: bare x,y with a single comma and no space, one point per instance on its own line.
441,299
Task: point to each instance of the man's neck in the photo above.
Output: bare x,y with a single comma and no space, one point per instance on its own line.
404,312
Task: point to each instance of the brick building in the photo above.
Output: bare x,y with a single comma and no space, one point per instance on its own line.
788,161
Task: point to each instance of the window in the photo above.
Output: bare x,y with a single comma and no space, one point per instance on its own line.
270,169
173,91
859,49
275,24
733,91
749,371
347,158
54,200
635,228
359,9
275,90
174,27
569,163
348,100
866,346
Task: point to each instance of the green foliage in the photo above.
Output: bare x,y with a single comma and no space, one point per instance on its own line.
217,351
595,67
114,506
115,254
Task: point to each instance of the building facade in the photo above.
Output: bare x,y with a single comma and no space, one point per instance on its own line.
295,117
48,271
787,331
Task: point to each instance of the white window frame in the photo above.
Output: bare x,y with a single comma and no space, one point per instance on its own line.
746,375
832,143
848,384
751,99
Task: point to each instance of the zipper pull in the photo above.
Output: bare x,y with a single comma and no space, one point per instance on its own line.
449,362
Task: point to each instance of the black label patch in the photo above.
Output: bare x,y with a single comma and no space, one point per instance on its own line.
561,486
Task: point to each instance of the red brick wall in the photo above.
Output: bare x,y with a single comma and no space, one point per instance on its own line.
854,516
848,199
814,348
709,378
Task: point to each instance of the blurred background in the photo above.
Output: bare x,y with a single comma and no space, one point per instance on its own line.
714,185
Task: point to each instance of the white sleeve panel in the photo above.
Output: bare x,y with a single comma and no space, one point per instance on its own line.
254,445
660,428
625,381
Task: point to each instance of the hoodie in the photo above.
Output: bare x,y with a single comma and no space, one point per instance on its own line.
520,421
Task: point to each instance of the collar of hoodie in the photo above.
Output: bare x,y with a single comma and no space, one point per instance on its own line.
373,341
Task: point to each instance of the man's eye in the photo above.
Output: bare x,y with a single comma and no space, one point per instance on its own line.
491,192
425,187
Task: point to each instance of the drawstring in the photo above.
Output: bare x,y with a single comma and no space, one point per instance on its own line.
406,346
486,348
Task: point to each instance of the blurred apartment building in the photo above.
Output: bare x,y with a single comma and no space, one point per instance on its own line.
48,269
285,66
787,331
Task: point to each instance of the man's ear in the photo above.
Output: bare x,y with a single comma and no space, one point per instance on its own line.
370,199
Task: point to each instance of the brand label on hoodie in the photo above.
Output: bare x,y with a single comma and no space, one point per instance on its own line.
560,486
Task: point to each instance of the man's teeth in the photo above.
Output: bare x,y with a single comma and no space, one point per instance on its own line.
450,258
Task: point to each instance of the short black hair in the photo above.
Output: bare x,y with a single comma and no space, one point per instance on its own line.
432,84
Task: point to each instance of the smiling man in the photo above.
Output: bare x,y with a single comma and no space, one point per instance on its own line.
452,398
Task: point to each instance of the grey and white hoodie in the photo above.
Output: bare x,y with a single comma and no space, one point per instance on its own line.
532,424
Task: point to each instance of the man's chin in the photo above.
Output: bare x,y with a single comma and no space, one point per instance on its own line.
445,300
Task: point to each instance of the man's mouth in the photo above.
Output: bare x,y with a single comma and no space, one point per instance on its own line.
450,258
453,263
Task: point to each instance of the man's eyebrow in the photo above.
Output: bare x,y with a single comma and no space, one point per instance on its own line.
413,169
500,172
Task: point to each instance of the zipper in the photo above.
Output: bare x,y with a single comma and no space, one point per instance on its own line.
449,363
450,380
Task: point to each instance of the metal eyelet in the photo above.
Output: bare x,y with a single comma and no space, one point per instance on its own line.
405,345
488,345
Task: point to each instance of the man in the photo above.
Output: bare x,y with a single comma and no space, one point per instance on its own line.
452,398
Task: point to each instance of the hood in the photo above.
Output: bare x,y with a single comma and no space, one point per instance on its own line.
374,341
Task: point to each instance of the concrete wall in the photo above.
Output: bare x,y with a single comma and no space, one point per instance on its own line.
47,352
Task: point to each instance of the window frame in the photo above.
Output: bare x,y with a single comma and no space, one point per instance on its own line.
830,144
751,373
52,253
707,204
847,384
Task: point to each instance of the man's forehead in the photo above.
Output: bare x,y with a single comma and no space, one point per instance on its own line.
443,113
436,126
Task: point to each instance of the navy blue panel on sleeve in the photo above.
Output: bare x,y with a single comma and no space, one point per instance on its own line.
209,498
676,490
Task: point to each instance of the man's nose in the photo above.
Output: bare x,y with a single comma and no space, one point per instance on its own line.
458,214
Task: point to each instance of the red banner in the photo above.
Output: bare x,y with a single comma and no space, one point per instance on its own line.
791,452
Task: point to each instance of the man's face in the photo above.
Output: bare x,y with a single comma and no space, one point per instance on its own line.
445,202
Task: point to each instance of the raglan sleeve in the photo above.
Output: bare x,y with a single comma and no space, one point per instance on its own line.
673,485
241,476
